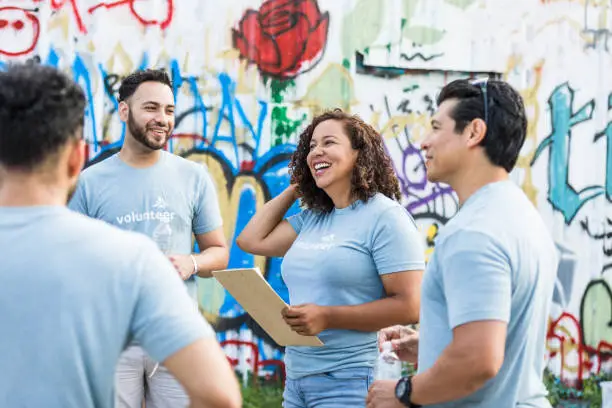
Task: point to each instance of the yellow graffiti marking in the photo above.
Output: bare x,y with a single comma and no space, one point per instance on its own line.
577,26
375,119
532,105
395,125
602,20
334,88
229,202
432,233
567,346
567,349
61,21
119,55
120,63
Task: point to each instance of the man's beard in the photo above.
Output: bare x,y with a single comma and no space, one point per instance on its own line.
140,134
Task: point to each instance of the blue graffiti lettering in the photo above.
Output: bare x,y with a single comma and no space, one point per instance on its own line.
561,194
81,76
229,102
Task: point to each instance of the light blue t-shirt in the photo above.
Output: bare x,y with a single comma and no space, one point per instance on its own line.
495,260
173,190
336,260
73,292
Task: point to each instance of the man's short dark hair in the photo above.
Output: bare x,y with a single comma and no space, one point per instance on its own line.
130,84
41,109
505,117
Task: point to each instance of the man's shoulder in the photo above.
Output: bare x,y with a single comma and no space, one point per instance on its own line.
475,238
184,164
97,168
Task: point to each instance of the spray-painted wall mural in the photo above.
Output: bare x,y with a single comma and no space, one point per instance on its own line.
249,75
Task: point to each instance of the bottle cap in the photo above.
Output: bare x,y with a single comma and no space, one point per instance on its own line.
387,346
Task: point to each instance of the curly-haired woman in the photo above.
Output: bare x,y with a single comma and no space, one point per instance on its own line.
353,259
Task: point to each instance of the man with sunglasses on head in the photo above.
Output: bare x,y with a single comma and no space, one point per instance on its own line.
487,292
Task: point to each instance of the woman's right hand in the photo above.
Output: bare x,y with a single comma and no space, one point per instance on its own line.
405,342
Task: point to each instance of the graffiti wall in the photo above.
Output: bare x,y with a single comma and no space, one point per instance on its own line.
248,75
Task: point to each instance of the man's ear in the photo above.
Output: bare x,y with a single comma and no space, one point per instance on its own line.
124,110
477,131
76,158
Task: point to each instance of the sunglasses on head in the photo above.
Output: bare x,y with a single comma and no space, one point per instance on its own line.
482,83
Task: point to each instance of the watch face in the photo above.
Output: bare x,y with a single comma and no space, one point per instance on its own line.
400,390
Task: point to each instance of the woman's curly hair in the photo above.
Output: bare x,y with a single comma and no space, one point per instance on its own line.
373,172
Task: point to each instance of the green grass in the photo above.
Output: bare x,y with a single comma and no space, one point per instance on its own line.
589,394
261,392
269,394
264,396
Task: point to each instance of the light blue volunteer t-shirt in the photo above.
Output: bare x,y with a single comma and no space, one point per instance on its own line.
495,260
73,292
338,259
173,190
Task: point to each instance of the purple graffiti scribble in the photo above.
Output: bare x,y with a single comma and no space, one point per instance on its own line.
414,186
437,191
414,179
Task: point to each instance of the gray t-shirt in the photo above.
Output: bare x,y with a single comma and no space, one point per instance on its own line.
495,260
167,201
73,292
337,259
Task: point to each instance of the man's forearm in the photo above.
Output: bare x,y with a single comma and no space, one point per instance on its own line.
374,315
455,375
211,259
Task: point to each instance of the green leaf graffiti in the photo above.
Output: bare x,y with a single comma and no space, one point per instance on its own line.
283,128
361,27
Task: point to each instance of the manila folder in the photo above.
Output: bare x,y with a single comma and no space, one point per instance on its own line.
256,296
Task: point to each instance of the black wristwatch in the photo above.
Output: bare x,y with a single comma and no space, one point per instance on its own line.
403,391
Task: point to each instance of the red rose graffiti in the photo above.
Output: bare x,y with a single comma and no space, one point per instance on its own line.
284,38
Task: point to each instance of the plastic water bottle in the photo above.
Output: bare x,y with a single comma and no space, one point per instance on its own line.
162,235
388,365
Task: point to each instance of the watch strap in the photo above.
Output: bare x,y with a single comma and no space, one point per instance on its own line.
405,397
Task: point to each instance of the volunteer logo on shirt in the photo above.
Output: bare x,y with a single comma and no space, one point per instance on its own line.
160,203
327,242
160,214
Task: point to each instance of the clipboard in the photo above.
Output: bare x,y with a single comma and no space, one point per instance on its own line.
258,299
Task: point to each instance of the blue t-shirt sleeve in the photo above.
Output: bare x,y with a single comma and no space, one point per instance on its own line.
78,202
165,318
297,220
476,279
207,215
396,243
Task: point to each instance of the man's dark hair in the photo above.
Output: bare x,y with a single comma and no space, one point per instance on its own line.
505,117
130,83
41,109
